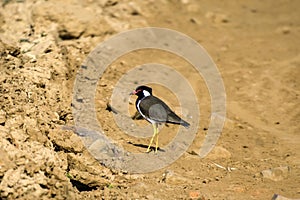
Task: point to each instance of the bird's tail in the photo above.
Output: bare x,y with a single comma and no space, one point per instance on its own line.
174,119
185,124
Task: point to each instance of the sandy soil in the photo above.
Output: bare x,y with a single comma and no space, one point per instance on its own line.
255,46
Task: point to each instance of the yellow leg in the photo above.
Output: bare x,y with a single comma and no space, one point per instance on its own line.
156,146
151,141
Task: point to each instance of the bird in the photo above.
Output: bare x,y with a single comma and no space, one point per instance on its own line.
155,111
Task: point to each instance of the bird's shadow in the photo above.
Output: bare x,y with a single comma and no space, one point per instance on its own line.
145,147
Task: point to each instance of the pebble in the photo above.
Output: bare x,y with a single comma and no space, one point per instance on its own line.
279,197
2,116
173,178
276,174
219,153
217,17
206,180
284,30
150,196
135,195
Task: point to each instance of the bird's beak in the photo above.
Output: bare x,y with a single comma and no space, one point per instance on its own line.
133,92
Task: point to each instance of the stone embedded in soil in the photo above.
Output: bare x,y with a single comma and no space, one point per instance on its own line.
217,17
66,141
277,173
170,177
2,117
18,136
150,197
86,171
5,163
284,30
31,128
279,197
14,121
219,153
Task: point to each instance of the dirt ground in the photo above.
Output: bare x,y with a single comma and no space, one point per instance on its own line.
255,45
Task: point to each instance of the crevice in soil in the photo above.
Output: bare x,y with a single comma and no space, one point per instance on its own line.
81,186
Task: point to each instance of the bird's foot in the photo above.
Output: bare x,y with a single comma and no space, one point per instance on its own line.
148,149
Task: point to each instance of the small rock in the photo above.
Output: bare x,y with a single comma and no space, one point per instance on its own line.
5,163
284,30
276,174
14,122
195,21
11,177
206,180
2,117
134,176
134,8
135,195
150,196
18,136
279,197
219,153
173,178
54,116
217,17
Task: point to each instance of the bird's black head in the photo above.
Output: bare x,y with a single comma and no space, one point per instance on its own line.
142,91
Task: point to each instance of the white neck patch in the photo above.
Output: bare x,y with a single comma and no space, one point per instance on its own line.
146,93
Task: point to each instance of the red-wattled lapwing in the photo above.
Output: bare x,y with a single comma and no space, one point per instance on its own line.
155,111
